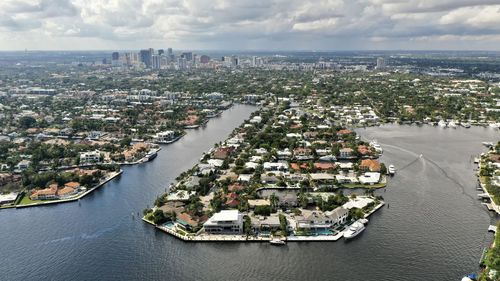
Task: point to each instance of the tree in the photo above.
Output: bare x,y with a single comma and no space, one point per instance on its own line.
247,226
26,122
263,210
125,142
283,224
159,217
274,202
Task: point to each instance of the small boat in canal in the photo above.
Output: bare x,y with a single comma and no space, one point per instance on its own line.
277,242
391,170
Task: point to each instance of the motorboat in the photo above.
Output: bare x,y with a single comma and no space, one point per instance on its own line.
377,146
151,155
452,124
354,230
488,144
392,169
470,277
442,124
277,242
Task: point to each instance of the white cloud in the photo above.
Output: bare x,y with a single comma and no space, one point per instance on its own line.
233,24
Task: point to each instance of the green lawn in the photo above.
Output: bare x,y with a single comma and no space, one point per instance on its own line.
27,200
357,185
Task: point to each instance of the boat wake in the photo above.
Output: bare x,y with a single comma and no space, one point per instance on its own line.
83,236
456,182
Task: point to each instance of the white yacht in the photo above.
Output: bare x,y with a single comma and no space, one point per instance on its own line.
277,242
466,124
391,170
442,124
377,146
355,229
452,124
151,155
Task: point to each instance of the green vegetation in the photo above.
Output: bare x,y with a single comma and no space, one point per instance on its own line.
492,260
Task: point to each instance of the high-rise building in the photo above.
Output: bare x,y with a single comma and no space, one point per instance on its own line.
170,52
187,55
204,59
161,52
115,59
254,61
235,61
145,56
156,62
380,63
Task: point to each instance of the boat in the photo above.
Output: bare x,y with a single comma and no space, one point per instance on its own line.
214,114
354,230
277,242
377,146
442,124
488,144
151,155
470,277
364,221
452,124
466,124
392,169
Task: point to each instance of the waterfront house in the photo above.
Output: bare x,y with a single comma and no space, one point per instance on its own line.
8,198
187,222
90,157
223,152
369,178
225,222
164,137
317,220
66,191
264,225
45,194
370,165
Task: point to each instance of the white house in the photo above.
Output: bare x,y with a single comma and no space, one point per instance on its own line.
90,157
225,222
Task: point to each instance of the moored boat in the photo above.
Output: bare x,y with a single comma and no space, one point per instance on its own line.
151,155
354,230
277,242
391,170
442,124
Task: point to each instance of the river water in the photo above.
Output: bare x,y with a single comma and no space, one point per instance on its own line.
434,229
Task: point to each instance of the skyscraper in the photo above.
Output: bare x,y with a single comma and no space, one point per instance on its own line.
380,64
156,62
187,55
145,56
115,59
161,52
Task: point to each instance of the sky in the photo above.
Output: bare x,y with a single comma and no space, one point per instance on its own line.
250,24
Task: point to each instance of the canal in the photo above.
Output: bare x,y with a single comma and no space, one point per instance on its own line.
435,228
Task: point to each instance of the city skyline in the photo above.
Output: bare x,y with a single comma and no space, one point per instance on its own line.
248,25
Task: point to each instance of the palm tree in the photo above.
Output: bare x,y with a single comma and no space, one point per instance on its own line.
274,201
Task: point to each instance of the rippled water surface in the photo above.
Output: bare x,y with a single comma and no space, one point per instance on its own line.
434,228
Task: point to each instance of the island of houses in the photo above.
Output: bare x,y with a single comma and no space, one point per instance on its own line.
291,172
